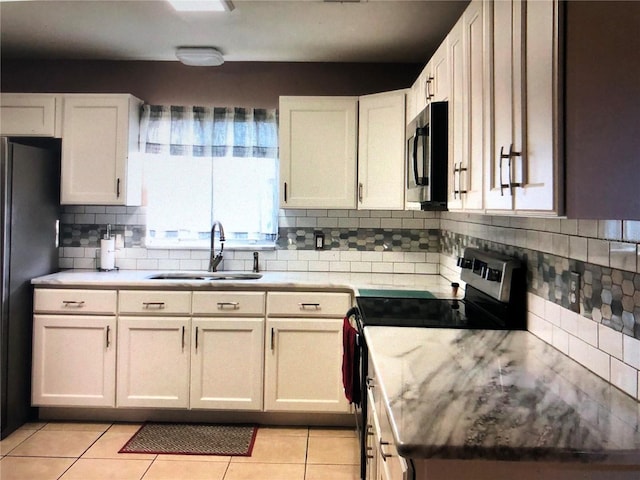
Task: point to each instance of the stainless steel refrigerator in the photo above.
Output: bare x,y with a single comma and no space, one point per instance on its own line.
30,191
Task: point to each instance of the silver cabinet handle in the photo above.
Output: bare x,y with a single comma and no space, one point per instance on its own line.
183,337
360,196
108,339
370,383
510,184
502,157
273,333
232,305
149,305
458,170
305,306
196,339
427,93
73,303
383,455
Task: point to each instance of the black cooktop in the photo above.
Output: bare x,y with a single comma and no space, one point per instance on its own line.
476,312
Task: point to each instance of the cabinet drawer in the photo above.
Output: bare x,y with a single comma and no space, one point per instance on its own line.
308,304
228,303
148,302
75,302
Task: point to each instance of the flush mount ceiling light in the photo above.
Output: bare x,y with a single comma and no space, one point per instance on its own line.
199,56
202,5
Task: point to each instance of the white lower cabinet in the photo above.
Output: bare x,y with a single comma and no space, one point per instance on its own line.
74,360
303,365
226,363
303,351
74,348
153,362
189,350
383,461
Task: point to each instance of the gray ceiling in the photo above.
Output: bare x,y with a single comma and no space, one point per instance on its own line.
272,31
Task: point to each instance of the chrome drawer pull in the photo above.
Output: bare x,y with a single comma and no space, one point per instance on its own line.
233,305
304,306
73,303
158,305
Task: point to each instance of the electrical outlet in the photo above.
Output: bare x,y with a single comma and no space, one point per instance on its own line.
574,291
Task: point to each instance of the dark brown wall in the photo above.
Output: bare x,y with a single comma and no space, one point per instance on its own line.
250,84
603,110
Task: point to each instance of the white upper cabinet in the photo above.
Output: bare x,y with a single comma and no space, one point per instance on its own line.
541,174
437,86
318,145
381,144
506,103
100,163
468,46
30,114
433,83
523,172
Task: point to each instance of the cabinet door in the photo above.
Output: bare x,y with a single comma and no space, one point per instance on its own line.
475,37
153,362
226,363
468,126
506,105
35,115
99,164
438,87
458,161
381,151
540,170
74,360
422,89
318,148
303,366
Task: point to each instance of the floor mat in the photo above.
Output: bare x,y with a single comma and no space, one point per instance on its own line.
192,439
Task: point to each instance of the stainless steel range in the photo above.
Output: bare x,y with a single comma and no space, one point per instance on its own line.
495,298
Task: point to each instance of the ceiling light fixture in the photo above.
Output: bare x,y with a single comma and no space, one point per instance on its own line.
199,56
202,5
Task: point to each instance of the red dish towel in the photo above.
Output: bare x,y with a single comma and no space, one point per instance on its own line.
350,362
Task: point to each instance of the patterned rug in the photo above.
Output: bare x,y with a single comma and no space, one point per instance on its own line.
192,439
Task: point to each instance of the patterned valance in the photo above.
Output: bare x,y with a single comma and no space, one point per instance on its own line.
209,131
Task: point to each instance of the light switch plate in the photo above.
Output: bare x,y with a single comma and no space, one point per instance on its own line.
574,292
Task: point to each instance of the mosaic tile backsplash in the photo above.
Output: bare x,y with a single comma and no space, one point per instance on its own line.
608,296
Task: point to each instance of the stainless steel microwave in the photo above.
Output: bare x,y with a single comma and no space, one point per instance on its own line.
427,157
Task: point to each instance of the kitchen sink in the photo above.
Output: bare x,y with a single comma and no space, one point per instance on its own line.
205,276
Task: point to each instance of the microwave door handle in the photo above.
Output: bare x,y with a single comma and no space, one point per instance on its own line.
415,156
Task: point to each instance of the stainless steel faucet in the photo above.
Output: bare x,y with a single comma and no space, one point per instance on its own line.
214,260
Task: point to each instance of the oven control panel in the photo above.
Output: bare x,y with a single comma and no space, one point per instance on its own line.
489,272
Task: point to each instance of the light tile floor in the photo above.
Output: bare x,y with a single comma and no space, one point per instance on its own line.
89,451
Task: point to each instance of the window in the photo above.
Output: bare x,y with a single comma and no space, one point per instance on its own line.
204,164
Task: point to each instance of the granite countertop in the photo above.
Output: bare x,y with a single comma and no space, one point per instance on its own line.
352,282
500,395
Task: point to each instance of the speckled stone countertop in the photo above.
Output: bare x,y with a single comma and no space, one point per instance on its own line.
500,395
437,285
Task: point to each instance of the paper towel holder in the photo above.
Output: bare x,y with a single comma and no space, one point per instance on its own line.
106,254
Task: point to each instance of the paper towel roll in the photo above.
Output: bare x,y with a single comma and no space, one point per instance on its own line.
107,254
